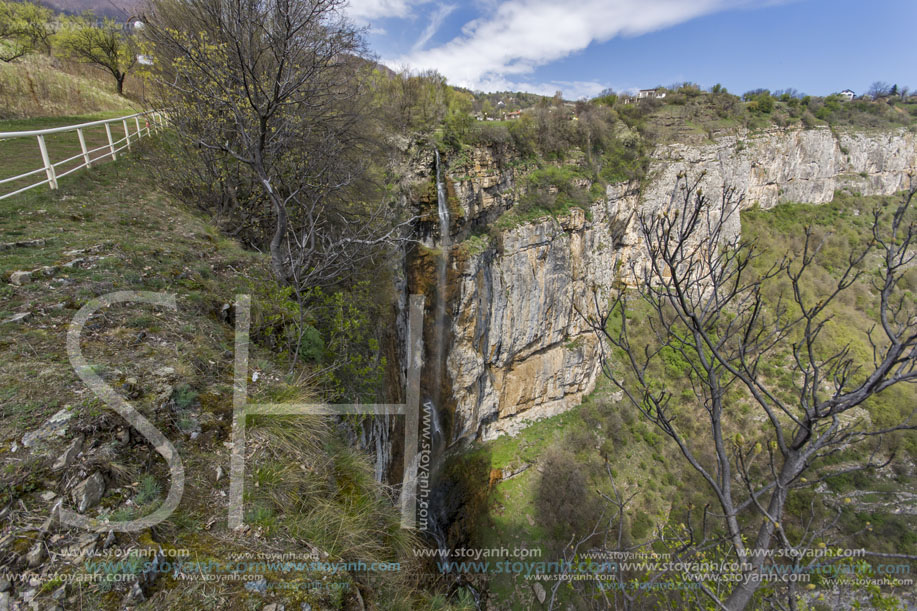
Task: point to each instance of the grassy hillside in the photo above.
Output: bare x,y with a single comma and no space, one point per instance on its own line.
42,86
307,492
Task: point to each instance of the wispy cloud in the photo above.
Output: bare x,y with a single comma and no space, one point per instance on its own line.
517,36
436,20
364,11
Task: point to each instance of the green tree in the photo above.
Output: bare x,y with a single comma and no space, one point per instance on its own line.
104,44
24,28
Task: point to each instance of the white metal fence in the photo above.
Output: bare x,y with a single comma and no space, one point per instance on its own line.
151,121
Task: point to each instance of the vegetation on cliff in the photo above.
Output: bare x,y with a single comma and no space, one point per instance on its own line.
621,457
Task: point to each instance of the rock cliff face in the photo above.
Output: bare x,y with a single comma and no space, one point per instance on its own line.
519,349
805,166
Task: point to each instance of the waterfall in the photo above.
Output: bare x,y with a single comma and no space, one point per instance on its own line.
437,429
437,437
440,321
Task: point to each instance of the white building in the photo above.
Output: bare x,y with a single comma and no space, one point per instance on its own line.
847,94
651,93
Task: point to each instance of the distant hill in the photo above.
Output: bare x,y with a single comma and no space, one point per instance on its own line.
116,9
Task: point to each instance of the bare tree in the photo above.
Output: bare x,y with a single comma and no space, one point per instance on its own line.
270,93
879,89
706,303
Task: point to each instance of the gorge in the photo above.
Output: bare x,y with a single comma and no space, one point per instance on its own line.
517,349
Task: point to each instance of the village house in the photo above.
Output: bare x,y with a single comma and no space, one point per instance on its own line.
847,94
656,93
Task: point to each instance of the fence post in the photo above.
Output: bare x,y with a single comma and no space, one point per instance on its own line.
111,142
79,134
127,134
49,169
137,123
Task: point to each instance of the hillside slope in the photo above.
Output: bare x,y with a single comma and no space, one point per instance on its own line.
308,494
42,86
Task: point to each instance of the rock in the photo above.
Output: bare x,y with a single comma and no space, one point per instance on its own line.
22,244
219,473
5,584
69,454
89,492
35,555
56,426
520,351
53,517
259,585
273,607
132,387
47,496
135,594
124,436
20,278
4,601
164,372
19,317
60,593
226,313
539,590
306,607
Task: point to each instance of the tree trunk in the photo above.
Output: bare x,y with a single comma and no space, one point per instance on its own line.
741,596
280,229
121,83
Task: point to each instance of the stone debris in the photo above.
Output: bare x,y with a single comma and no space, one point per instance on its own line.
89,492
21,316
56,426
22,244
540,593
69,454
258,585
20,278
35,555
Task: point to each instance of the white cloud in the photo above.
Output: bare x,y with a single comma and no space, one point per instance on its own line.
436,20
363,11
572,90
519,35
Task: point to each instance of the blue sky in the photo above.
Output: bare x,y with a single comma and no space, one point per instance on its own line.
814,46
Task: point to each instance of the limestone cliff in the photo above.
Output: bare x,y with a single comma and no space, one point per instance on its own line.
519,350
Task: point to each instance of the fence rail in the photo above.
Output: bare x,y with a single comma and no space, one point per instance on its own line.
152,121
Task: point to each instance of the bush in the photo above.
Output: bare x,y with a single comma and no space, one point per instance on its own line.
564,503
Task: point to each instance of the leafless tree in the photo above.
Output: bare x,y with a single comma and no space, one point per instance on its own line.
879,89
269,93
706,303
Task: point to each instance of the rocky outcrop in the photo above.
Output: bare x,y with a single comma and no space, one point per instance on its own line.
520,351
805,166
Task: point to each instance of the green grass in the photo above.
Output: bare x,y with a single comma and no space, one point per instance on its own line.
20,155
